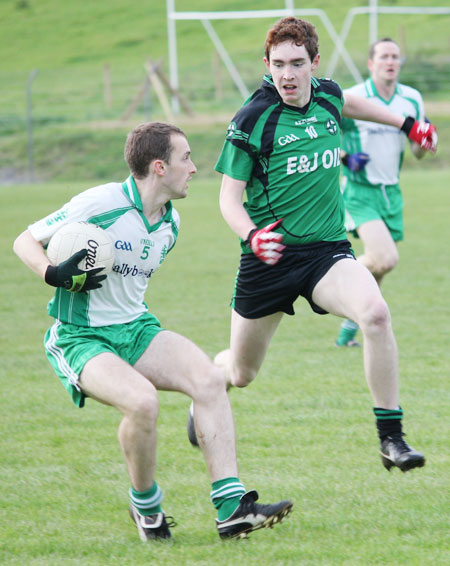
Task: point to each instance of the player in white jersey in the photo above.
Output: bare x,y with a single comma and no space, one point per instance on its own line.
106,346
139,250
372,195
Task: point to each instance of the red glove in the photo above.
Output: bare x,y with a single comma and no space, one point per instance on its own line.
422,133
265,244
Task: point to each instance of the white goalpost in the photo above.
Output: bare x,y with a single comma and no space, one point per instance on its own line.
373,10
205,19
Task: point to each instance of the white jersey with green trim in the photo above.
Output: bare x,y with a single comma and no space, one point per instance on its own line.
384,144
139,248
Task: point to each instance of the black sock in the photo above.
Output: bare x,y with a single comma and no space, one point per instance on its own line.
389,421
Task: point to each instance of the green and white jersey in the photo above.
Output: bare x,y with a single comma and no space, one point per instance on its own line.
384,144
140,248
290,159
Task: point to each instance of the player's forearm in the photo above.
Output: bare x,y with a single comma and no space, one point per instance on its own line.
359,108
31,253
232,209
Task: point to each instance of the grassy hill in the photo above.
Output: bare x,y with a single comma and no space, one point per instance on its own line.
91,56
50,34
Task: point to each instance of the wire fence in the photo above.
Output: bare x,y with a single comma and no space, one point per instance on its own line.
106,93
71,106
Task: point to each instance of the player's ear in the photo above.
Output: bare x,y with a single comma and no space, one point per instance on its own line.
315,62
158,166
266,62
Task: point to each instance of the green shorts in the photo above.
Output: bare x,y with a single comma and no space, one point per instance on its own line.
69,347
364,203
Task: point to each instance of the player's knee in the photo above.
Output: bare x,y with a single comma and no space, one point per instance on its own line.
211,383
376,318
385,263
236,375
393,261
216,379
242,377
144,408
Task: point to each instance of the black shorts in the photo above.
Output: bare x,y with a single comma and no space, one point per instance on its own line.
263,289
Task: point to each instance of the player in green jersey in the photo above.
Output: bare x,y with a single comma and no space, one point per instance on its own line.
372,195
282,148
119,355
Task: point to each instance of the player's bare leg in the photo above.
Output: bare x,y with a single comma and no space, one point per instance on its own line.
349,289
249,341
240,363
380,251
174,363
380,256
110,380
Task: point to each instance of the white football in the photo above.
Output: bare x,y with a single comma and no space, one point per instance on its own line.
77,236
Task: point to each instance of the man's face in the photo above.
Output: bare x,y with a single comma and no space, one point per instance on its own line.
291,69
181,168
385,63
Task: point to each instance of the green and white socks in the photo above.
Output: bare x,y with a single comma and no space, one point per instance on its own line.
226,495
347,334
147,502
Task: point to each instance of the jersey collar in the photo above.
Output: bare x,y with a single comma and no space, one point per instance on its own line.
371,90
130,189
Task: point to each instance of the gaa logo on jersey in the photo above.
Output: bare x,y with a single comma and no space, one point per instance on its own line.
287,139
231,129
122,245
331,126
235,134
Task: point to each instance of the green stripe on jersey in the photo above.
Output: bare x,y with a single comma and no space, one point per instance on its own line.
107,219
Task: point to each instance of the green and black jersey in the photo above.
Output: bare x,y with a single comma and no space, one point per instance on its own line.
290,159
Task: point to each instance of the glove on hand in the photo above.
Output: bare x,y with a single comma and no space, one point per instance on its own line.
68,275
356,161
422,133
265,244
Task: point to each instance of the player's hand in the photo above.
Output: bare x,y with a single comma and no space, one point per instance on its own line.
356,161
69,276
266,244
422,133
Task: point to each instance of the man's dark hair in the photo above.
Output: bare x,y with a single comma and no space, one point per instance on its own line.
377,42
295,30
148,142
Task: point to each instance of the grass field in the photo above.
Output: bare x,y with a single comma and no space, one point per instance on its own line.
305,426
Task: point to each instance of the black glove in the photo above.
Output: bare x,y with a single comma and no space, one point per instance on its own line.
68,275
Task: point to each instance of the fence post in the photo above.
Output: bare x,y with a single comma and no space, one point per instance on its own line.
31,78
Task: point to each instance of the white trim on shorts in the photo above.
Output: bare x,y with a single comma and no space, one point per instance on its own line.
58,354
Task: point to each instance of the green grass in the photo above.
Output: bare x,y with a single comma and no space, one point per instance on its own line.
305,427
